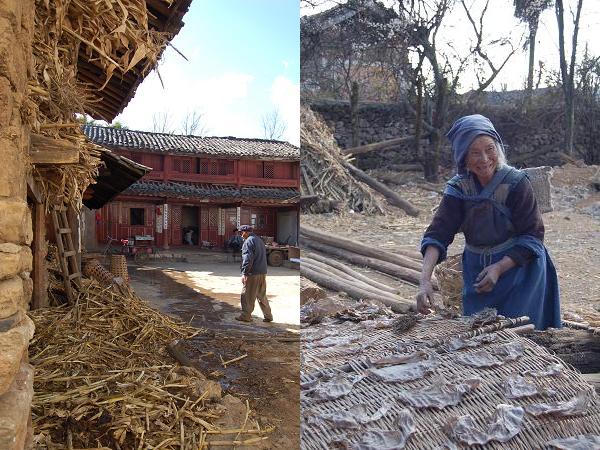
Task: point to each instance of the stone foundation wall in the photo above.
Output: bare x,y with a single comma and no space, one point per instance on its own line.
531,140
16,329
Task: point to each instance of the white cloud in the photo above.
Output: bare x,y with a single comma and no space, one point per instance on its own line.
219,98
285,97
285,63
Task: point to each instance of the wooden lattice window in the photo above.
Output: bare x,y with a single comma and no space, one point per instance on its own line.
225,167
213,217
204,218
204,166
269,170
214,168
176,164
259,170
186,165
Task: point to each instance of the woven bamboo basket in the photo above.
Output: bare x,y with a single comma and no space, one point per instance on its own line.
118,267
449,276
93,269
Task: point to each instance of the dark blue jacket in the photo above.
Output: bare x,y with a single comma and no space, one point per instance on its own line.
254,256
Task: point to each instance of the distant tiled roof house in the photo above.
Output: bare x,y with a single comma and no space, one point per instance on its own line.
208,185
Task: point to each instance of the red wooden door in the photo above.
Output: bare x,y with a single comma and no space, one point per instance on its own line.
176,236
213,224
204,235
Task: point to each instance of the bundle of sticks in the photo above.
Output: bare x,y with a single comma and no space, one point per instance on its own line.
318,265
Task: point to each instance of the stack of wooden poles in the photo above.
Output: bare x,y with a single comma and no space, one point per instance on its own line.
318,265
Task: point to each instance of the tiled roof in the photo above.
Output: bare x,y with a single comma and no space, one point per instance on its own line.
171,143
207,191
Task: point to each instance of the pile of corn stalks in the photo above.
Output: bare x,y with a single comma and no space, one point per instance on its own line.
114,35
323,173
103,379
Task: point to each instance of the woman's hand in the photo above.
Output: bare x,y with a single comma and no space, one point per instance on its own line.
425,297
487,278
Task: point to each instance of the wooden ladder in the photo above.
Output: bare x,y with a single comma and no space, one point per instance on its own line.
67,255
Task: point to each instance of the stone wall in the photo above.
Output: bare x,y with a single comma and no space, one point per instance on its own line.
16,329
531,140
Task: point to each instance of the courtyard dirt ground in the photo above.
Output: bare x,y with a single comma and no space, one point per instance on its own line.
204,291
572,233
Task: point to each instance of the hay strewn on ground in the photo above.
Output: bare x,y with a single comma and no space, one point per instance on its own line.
115,37
103,378
322,171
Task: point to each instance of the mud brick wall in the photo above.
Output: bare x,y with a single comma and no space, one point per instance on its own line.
531,140
16,329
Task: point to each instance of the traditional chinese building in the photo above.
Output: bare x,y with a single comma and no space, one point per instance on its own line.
206,185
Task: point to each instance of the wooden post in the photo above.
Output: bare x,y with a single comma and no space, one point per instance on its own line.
39,274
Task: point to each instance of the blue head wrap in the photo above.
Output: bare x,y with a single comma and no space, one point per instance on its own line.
464,131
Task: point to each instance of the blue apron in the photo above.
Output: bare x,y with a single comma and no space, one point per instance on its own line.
530,290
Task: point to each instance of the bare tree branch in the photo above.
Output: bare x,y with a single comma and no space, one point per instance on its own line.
193,124
273,125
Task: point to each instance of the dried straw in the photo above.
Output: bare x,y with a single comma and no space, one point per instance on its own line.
103,378
449,276
114,36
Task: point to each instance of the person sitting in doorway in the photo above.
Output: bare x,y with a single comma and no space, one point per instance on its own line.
188,237
254,276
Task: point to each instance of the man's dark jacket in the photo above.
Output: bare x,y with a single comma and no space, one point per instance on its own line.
254,256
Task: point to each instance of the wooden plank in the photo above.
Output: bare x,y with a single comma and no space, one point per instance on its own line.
33,191
376,146
40,273
45,150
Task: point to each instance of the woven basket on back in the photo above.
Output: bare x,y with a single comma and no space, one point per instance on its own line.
540,182
450,280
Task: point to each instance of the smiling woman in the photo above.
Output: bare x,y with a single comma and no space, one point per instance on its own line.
505,264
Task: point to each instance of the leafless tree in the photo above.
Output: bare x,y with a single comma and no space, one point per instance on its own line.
162,122
568,73
410,45
193,124
273,125
529,11
438,71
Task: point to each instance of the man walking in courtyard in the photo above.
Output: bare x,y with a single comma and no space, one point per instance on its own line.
254,276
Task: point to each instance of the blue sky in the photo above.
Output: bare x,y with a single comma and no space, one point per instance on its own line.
243,64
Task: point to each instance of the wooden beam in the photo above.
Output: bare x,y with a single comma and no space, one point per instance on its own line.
376,146
47,150
40,272
33,191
